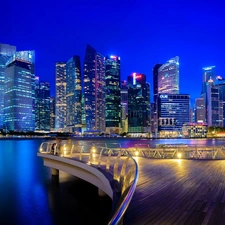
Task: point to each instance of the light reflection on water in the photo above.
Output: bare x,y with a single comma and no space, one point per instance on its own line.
30,196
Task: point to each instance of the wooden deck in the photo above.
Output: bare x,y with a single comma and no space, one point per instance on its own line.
171,191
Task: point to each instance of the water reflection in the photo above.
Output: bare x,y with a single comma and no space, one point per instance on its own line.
29,195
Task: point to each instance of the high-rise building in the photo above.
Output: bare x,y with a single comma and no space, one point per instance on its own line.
220,82
73,95
60,100
155,81
124,106
214,105
112,92
19,92
199,110
42,105
52,113
168,77
6,51
209,74
138,105
173,112
94,93
208,77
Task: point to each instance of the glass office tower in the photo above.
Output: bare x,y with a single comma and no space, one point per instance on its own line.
6,51
112,92
173,112
42,105
94,92
124,106
20,92
73,95
168,77
138,104
155,80
60,100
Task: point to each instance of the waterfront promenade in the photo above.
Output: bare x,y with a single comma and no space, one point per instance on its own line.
177,191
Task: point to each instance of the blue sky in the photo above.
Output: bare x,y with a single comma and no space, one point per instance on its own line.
142,33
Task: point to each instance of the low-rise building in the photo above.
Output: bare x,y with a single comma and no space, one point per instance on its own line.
195,130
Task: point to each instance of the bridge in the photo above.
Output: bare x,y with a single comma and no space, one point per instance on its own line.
170,189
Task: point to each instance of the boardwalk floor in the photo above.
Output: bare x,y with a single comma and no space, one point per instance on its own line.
171,191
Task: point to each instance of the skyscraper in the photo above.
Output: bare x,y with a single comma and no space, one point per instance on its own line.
173,112
19,92
60,101
209,73
6,51
168,77
199,110
138,104
214,105
220,82
124,106
73,95
94,94
52,113
112,99
42,105
155,80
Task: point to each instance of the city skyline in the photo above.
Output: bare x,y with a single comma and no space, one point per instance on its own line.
142,33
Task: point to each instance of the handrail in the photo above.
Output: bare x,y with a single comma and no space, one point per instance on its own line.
100,156
116,218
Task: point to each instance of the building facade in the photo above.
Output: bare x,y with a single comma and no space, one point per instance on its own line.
155,81
6,51
42,105
94,92
195,130
112,94
73,95
19,95
168,77
138,105
124,106
214,105
173,112
52,113
60,100
199,110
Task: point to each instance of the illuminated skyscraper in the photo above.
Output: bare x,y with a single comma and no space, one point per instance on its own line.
124,106
73,95
94,93
138,104
199,110
168,77
155,80
52,113
214,105
209,73
208,77
112,89
60,101
6,51
173,113
220,83
19,92
42,105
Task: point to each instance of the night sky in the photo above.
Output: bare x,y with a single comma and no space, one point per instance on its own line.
142,33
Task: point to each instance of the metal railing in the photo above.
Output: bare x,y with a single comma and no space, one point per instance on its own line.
111,159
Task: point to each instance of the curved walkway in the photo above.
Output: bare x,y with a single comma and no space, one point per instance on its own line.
173,191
